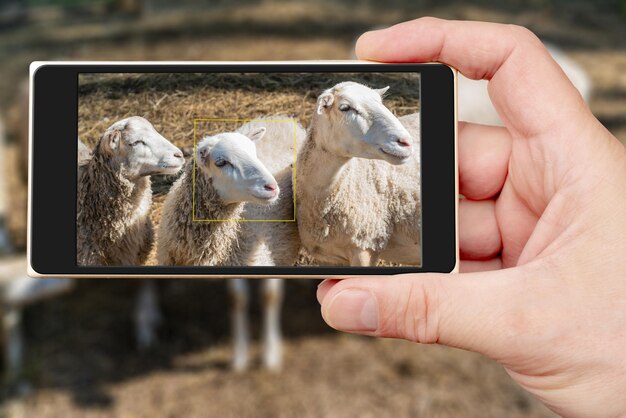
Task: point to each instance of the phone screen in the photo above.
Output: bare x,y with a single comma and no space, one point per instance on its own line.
249,169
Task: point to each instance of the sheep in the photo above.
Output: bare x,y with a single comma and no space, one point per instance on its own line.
16,168
17,124
358,188
473,97
238,176
114,195
17,290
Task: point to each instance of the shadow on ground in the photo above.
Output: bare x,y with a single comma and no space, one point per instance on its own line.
84,341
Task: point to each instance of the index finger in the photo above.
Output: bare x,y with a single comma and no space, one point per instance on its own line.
529,90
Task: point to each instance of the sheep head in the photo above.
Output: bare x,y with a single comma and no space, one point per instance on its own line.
352,121
139,150
230,160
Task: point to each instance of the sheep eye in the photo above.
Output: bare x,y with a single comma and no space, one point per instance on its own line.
134,144
344,107
221,163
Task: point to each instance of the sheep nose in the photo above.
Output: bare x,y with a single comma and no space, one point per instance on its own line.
270,187
178,155
403,142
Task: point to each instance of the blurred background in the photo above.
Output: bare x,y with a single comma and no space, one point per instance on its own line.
69,348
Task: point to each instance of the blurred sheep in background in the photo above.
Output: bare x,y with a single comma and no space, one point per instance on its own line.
17,290
5,246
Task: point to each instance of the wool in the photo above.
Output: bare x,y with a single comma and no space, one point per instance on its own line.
348,204
113,224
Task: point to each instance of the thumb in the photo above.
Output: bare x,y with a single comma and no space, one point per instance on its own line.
471,311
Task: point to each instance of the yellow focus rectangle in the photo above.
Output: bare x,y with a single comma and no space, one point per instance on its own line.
222,124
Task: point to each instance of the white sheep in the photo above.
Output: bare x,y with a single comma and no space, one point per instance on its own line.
114,195
114,201
358,188
238,177
475,105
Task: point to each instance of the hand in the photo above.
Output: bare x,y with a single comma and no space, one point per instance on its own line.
545,209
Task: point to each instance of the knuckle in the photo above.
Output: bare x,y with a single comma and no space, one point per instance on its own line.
479,234
417,312
490,245
428,20
522,33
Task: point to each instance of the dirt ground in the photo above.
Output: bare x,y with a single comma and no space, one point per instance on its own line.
83,365
80,357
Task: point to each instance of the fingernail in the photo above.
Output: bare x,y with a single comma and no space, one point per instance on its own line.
323,288
353,310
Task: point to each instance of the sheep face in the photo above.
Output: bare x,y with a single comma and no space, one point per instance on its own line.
140,150
230,160
354,122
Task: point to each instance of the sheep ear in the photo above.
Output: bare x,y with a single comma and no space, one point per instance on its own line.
203,153
324,101
257,134
203,148
112,140
382,91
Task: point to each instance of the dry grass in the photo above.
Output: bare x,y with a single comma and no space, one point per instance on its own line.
172,101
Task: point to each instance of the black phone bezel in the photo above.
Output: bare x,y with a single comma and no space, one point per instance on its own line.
54,117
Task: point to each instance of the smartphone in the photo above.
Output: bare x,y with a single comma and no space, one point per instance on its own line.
242,169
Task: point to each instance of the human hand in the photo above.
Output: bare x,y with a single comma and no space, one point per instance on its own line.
545,209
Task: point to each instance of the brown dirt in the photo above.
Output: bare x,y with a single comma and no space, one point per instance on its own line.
80,357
